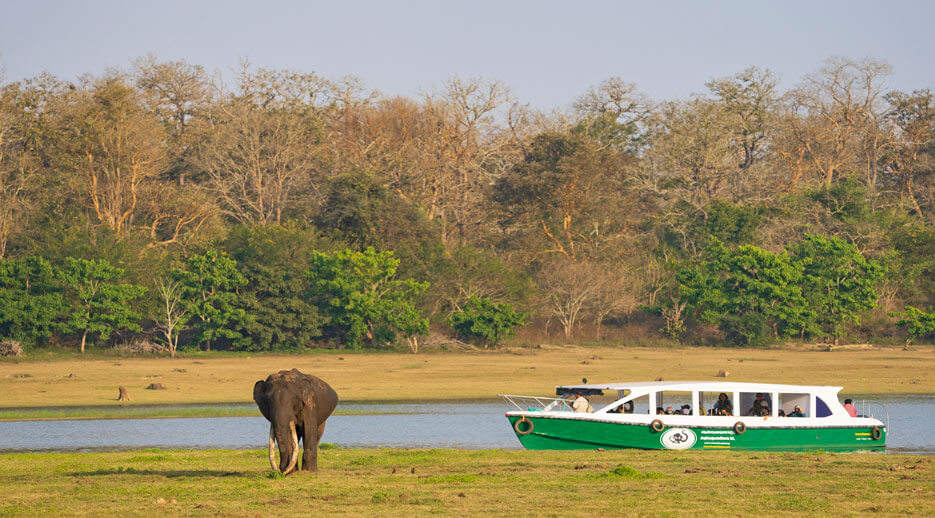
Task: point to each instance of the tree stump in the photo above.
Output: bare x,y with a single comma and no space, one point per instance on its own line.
124,396
723,374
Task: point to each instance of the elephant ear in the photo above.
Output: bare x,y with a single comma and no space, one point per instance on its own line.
259,396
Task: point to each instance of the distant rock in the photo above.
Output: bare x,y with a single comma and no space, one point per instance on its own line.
156,386
723,374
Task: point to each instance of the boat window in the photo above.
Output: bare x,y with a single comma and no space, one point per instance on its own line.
789,400
638,405
709,401
674,402
750,404
821,408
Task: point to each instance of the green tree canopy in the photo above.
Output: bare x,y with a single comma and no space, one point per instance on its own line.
751,294
488,320
838,282
99,303
209,282
918,323
365,302
31,300
274,259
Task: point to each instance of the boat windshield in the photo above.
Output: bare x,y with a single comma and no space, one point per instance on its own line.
535,403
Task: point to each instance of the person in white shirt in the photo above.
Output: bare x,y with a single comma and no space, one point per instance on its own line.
581,404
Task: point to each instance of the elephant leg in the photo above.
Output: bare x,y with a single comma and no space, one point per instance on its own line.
321,431
310,438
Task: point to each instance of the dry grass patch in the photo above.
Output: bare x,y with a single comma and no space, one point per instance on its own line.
362,377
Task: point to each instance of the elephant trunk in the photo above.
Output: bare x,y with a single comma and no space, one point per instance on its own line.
292,450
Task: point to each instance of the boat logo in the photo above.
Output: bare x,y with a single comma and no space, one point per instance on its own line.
678,438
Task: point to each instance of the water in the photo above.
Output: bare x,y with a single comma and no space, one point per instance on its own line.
404,425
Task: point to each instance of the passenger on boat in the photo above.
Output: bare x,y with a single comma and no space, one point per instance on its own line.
581,404
686,410
669,410
782,413
758,405
850,408
796,412
722,406
626,408
660,410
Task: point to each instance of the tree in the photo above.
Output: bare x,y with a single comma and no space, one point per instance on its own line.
99,304
261,146
18,168
487,320
569,287
617,291
564,198
749,102
918,323
274,260
117,147
30,300
751,294
838,282
615,114
363,300
912,159
835,108
173,313
209,282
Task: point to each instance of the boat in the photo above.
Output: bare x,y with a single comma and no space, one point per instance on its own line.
705,416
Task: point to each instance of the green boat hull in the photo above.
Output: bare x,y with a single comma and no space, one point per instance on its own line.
550,433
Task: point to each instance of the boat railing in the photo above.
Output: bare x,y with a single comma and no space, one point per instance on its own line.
535,403
865,408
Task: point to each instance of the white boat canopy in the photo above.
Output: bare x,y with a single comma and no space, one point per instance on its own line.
706,386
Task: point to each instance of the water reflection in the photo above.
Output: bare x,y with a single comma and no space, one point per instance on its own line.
406,425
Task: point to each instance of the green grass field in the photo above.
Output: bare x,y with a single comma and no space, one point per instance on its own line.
392,482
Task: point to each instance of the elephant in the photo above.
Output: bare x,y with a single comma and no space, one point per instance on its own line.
296,406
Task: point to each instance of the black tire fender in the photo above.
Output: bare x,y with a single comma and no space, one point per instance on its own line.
657,425
739,428
527,431
876,433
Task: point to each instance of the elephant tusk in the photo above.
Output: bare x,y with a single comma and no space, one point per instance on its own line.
272,447
295,450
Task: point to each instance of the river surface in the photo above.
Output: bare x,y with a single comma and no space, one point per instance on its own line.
468,425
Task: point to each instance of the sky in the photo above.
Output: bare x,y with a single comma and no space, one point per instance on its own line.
547,52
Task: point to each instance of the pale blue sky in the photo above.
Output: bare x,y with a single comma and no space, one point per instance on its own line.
547,52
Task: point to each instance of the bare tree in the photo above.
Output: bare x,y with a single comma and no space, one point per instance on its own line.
173,313
570,287
834,107
17,174
616,291
262,147
119,149
911,160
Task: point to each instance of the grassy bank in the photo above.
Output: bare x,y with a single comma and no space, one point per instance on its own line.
37,382
391,482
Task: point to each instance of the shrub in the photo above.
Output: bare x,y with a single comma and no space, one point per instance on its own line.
487,320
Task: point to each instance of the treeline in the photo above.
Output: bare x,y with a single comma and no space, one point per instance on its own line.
289,210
